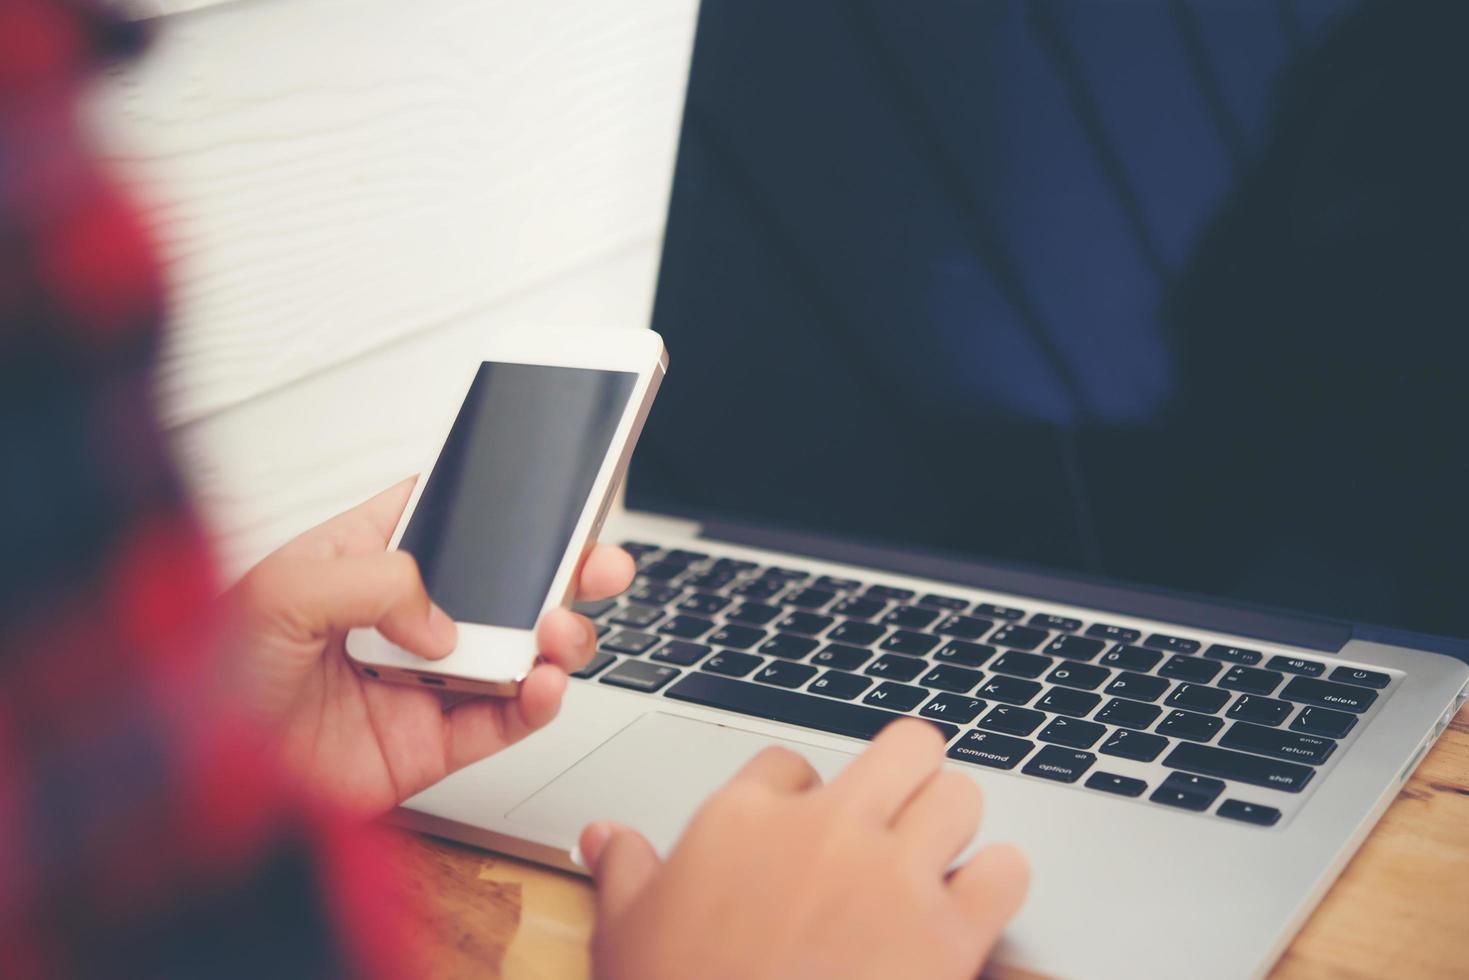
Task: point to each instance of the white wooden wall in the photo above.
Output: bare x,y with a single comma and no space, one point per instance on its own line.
349,191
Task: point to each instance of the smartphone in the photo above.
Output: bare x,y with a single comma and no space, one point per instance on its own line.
500,520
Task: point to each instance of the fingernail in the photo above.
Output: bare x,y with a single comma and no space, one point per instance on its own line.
577,858
593,840
442,627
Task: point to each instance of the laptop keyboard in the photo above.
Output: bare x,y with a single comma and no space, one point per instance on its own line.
1049,696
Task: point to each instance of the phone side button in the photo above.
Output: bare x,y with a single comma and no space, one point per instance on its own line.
596,665
638,675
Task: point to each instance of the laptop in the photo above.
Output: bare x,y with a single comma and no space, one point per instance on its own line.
1085,378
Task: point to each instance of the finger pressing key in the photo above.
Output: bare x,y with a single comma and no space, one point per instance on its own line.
901,759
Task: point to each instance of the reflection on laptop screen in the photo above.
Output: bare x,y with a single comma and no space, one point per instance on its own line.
1169,293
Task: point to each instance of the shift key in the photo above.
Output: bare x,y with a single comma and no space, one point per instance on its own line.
1253,769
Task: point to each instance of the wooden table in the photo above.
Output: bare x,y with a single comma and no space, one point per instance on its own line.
1401,908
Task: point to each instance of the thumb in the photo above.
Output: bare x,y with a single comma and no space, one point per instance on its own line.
622,863
317,596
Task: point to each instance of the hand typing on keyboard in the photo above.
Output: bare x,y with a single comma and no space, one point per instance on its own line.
778,876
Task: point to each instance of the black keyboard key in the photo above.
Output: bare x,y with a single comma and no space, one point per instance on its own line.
1110,782
1185,668
837,584
758,588
910,617
1265,816
857,634
1019,637
638,548
687,627
1250,680
840,684
629,641
599,662
638,675
1264,711
1075,647
784,574
806,710
709,581
808,598
1070,731
1012,720
944,602
1124,657
1011,690
753,613
910,643
1120,634
1292,665
895,696
841,656
895,667
732,565
1207,760
1064,701
1186,724
684,557
1141,687
1323,721
1138,746
1365,678
655,594
1083,677
999,612
784,674
680,653
731,664
1295,746
889,592
602,630
703,603
787,646
856,607
1174,644
947,677
990,749
964,627
1061,764
953,707
1188,792
1021,664
661,571
1197,697
1046,621
1233,655
1129,714
804,622
1329,694
596,607
736,637
636,616
964,653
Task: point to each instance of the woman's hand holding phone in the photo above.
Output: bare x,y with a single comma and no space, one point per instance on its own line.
372,745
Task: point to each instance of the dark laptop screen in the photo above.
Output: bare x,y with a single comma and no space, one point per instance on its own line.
1170,293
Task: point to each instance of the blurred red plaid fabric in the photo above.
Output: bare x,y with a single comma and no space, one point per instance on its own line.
143,832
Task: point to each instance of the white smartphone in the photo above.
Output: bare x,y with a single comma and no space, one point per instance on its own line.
500,520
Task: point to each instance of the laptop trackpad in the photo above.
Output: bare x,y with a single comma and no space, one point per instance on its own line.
652,776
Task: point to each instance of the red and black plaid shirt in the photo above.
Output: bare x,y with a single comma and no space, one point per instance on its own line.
142,832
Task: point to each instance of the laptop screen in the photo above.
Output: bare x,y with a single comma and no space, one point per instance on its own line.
1161,293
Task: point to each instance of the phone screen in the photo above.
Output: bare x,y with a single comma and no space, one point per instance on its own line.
502,502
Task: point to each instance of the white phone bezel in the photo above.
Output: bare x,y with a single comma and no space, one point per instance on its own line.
494,659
